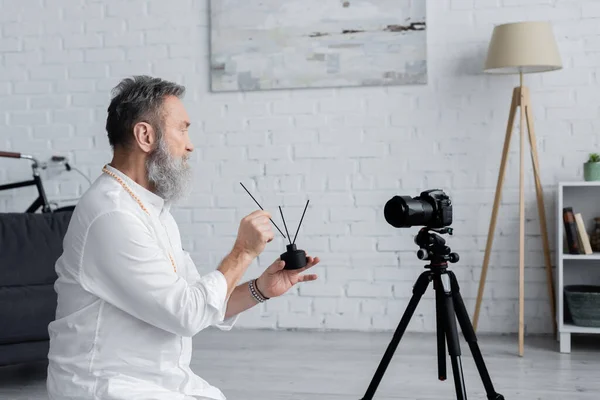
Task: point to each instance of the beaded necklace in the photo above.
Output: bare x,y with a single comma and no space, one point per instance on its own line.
128,190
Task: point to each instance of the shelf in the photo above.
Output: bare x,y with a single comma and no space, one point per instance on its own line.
595,256
579,329
579,184
573,269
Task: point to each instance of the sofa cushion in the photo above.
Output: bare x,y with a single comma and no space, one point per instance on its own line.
30,244
24,353
25,312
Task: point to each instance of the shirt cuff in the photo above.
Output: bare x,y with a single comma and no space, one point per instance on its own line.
216,287
227,324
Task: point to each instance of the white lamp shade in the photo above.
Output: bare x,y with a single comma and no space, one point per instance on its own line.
526,47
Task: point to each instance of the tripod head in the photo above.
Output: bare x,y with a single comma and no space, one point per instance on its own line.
433,247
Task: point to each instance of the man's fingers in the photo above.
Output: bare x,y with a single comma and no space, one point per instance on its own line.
307,278
260,214
264,227
262,224
267,233
276,266
270,236
310,262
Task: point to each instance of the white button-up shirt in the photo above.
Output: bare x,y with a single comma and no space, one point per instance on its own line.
125,319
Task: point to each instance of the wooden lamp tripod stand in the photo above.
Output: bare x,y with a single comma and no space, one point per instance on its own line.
524,47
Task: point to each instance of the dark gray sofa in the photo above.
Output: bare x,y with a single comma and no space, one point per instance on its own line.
30,244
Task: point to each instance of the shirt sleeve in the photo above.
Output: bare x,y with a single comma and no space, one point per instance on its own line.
123,264
194,276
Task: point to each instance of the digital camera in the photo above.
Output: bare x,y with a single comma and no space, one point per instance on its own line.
432,208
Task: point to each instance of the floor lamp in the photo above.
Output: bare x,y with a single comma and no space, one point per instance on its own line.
521,48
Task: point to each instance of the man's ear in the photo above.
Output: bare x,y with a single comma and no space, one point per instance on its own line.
144,136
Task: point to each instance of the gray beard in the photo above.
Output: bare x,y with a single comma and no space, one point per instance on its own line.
170,176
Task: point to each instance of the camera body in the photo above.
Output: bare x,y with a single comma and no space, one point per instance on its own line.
432,208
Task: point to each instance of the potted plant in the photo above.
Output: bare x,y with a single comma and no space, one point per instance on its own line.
591,169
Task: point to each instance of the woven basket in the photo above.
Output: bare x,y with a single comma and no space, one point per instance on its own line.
584,304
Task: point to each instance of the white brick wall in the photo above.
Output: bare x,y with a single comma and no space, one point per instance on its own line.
347,150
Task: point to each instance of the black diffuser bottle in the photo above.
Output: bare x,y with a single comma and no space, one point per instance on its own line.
293,257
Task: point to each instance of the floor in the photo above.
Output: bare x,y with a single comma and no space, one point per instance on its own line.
278,365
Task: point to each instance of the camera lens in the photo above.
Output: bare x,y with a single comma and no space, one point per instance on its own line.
405,211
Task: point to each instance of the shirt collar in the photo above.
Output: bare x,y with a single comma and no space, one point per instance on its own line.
146,196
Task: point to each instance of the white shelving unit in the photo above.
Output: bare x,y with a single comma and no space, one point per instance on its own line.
572,269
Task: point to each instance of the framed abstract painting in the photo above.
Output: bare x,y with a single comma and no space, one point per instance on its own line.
274,44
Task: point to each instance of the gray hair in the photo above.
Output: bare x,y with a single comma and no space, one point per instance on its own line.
136,99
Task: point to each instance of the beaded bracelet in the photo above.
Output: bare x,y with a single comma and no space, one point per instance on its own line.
258,296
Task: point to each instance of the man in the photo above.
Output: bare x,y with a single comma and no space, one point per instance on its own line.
129,297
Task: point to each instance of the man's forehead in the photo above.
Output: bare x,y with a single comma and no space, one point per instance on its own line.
175,111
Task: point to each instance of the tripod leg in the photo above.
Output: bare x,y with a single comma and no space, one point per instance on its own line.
469,334
418,290
452,337
441,331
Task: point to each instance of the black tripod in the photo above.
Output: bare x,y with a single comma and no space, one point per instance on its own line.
448,304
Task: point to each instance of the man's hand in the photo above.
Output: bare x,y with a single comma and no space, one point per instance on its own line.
254,233
275,281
